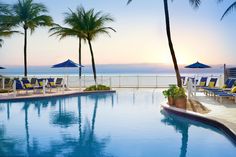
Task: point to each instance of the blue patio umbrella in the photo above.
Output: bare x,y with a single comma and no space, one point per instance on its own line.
67,64
197,65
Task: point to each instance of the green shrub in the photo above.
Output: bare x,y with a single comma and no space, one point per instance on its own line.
97,88
5,91
174,91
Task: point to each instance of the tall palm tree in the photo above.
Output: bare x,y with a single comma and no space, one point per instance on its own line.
74,20
195,4
229,9
28,15
94,24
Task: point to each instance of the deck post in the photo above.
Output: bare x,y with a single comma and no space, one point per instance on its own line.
44,87
3,83
79,84
138,81
195,85
84,81
156,82
101,79
119,81
110,81
63,89
14,88
67,81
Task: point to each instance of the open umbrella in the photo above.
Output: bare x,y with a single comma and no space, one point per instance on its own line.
67,64
197,65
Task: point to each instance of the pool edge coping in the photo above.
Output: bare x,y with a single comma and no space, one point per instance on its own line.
55,95
229,132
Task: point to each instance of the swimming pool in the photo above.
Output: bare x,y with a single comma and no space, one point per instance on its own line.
123,124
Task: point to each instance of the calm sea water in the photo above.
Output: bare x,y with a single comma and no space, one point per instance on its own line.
142,69
128,123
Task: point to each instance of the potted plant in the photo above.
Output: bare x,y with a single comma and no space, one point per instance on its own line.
170,93
176,96
180,98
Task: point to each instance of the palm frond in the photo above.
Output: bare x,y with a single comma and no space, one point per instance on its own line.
129,1
29,14
195,3
231,8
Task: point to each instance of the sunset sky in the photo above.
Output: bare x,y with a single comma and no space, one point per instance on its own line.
198,34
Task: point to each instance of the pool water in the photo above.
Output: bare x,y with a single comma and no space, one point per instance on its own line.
128,123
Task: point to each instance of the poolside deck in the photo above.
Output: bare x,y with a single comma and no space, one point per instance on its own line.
223,112
23,95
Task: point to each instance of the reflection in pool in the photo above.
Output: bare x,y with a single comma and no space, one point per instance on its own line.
127,123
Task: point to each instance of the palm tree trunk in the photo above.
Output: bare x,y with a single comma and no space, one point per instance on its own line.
179,83
80,62
25,52
184,145
93,63
94,115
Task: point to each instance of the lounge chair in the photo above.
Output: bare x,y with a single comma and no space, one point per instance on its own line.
202,83
51,84
224,94
211,84
229,83
20,86
33,81
27,84
59,82
41,85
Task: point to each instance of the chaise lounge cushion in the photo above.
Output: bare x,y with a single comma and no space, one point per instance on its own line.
233,90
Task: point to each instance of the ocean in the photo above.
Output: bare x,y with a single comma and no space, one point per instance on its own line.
115,75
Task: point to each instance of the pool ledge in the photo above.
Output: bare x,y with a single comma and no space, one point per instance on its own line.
50,95
218,123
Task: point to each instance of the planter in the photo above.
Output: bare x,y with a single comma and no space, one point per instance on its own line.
171,101
181,102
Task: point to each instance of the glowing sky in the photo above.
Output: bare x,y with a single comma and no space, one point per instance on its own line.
140,38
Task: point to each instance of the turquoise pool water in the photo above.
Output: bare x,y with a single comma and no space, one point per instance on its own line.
124,124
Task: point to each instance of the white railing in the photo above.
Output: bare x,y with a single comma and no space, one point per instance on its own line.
115,81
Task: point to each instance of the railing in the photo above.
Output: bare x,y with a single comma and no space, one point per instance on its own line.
115,81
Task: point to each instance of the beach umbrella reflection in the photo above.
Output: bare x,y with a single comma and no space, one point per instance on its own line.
63,118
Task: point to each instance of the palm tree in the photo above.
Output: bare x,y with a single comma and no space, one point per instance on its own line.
28,15
93,24
229,9
74,20
195,4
